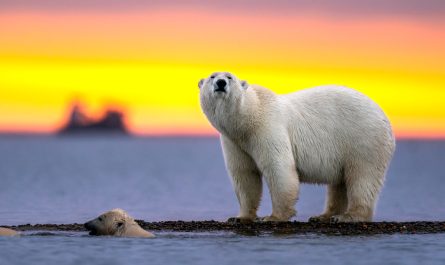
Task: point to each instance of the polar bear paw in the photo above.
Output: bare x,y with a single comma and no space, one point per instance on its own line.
348,218
271,218
240,220
323,218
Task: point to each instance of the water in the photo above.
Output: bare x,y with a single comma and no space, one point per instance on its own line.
227,248
67,180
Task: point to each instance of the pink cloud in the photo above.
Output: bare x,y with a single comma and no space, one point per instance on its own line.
355,8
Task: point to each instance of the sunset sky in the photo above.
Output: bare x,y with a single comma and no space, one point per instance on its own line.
146,57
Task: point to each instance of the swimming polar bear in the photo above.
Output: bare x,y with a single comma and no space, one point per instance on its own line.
7,232
116,223
324,135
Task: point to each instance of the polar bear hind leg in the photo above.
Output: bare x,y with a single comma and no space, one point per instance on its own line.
363,186
336,203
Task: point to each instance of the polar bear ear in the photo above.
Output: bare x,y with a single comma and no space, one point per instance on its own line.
201,82
244,84
120,228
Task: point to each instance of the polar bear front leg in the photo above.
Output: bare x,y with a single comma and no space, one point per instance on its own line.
278,169
246,180
283,184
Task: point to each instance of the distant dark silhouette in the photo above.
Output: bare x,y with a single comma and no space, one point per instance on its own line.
111,122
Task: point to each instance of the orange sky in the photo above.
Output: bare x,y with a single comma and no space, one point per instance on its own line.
150,61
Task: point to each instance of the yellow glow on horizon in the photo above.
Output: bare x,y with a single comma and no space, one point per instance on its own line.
158,97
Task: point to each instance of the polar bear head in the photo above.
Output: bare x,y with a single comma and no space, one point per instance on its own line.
221,86
221,95
108,223
116,223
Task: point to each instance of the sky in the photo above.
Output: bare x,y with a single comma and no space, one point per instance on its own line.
146,58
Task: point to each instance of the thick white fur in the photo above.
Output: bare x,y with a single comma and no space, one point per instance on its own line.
116,223
7,232
325,135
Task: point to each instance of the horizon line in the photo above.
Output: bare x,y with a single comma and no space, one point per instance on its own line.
403,137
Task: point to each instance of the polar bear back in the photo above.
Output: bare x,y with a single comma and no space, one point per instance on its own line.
333,127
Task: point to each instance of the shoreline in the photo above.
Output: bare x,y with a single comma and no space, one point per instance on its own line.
371,228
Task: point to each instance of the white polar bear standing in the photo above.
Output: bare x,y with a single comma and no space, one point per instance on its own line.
325,135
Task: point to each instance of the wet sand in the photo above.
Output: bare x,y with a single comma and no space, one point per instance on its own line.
373,228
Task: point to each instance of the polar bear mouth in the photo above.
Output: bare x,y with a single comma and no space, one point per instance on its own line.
93,232
220,90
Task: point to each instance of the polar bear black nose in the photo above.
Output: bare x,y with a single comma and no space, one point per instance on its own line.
220,85
88,225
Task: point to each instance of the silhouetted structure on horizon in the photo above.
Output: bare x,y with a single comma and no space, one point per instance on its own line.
111,122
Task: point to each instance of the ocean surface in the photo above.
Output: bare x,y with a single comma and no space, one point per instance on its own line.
49,179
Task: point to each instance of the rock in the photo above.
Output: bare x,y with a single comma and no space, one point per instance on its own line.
256,228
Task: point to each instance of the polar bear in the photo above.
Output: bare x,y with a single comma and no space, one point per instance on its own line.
324,135
7,232
116,223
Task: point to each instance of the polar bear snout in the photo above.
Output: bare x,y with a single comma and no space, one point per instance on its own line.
91,227
220,86
87,225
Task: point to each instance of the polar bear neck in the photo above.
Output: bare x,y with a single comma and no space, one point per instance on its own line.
239,117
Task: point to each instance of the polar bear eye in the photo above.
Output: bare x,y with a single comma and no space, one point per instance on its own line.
229,77
100,219
212,76
120,224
